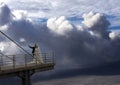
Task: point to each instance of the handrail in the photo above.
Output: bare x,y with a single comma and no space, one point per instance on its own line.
23,60
5,56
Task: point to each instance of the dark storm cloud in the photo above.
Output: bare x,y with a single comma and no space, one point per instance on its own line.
87,46
75,46
5,14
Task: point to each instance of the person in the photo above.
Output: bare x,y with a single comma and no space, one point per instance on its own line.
33,49
36,53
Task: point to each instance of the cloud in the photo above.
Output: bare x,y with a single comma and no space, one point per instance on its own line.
22,40
60,25
4,27
79,46
7,47
76,8
112,35
97,23
19,14
76,46
9,23
62,7
91,19
86,44
5,14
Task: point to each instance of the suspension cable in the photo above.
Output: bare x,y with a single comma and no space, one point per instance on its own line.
16,43
6,56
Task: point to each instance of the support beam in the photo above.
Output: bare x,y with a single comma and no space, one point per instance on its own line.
25,77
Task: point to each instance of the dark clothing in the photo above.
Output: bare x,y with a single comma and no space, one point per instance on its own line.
33,49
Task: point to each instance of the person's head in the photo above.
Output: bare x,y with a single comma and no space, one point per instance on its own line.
36,45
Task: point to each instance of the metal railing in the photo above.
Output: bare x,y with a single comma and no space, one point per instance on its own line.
24,60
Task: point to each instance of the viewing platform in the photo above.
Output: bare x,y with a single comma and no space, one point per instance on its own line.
23,65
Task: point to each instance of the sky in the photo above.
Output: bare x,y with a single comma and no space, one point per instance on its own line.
79,31
69,8
82,33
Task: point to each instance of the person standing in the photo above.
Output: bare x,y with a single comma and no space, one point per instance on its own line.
36,53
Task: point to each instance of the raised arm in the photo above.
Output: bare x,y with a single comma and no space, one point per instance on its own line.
31,47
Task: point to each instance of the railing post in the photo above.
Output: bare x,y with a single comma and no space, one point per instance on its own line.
25,60
35,57
13,61
45,58
0,63
53,55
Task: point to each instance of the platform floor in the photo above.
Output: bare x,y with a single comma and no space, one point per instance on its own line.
18,68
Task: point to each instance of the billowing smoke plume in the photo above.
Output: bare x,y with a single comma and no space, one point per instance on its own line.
75,46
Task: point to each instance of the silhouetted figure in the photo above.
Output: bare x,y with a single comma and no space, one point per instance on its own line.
36,53
33,48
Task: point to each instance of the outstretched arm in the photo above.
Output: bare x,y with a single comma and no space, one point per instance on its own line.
30,46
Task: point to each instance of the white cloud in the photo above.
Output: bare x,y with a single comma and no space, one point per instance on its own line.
19,14
91,19
4,27
8,48
80,28
22,40
59,25
112,35
66,7
115,34
69,8
5,1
